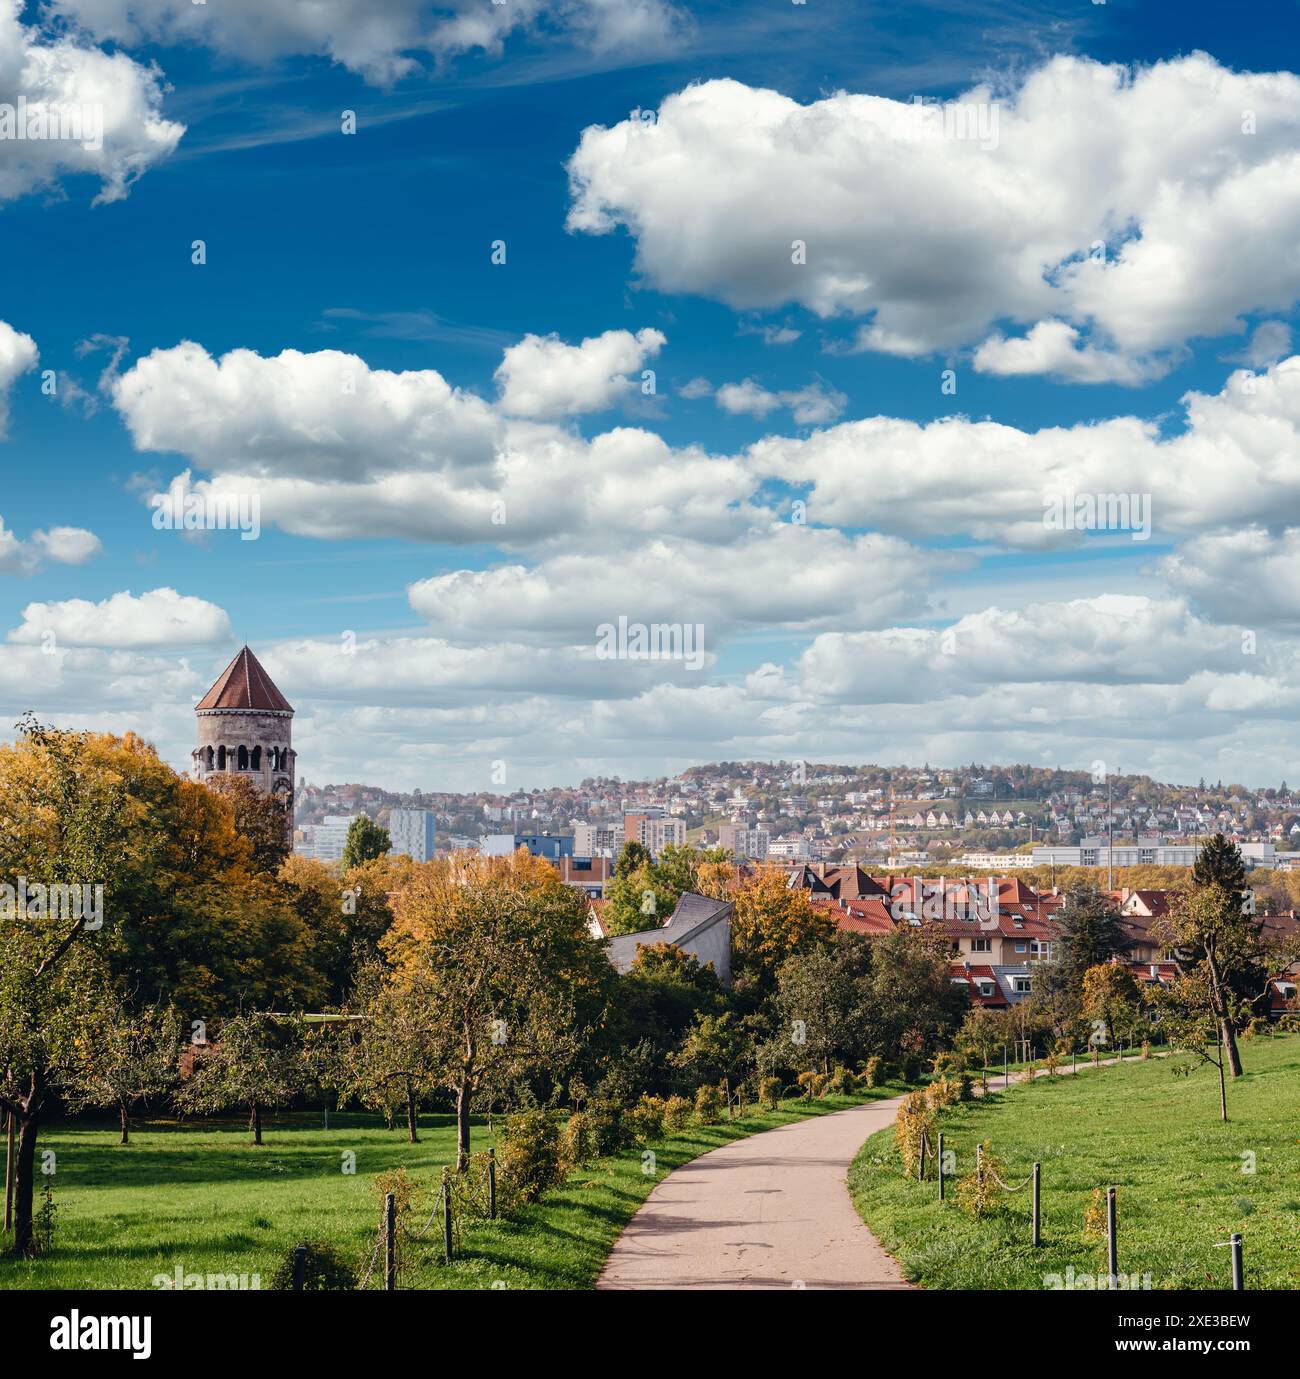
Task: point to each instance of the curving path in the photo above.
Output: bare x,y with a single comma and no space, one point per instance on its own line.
769,1211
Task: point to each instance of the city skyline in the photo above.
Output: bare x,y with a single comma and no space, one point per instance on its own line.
960,426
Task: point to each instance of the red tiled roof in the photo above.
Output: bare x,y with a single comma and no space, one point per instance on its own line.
244,685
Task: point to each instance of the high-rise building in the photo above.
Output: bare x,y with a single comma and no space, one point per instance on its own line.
325,841
414,832
744,842
654,834
596,840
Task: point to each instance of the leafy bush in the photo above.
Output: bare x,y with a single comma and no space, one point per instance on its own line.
909,1068
325,1271
965,1092
769,1092
1257,1027
608,1132
943,1093
873,1070
842,1082
645,1121
915,1121
948,1062
1146,1049
709,1105
808,1081
977,1194
677,1115
529,1158
576,1144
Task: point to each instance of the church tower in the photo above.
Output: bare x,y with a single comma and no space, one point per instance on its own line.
245,728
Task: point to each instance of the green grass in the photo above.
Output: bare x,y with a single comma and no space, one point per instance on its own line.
1154,1136
200,1196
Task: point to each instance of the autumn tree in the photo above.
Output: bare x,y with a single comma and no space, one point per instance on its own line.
1110,1001
770,922
262,820
60,836
645,891
497,951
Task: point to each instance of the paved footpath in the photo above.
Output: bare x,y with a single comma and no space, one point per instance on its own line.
769,1211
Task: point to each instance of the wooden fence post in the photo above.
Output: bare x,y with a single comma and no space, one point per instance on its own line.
1112,1243
1038,1216
446,1215
390,1242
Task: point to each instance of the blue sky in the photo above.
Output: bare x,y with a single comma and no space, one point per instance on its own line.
377,245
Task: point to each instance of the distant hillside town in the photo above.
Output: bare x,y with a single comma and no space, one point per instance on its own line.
977,818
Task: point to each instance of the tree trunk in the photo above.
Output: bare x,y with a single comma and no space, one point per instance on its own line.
125,1124
24,1185
255,1123
411,1115
1228,1037
463,1095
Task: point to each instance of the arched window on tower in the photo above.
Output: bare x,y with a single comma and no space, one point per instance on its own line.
221,758
257,758
243,758
208,758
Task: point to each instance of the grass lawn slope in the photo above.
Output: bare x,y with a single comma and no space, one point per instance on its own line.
1184,1178
198,1195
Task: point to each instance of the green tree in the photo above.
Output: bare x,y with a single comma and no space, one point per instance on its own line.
823,1006
917,1005
717,1048
366,840
255,1063
125,1057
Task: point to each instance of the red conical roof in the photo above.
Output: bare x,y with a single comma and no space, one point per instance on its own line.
244,685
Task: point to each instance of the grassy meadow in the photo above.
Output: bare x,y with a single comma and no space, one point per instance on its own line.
1182,1176
197,1194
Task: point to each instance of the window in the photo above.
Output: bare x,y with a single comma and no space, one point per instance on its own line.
981,945
1022,986
1021,946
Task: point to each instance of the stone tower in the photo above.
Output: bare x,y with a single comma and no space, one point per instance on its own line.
245,728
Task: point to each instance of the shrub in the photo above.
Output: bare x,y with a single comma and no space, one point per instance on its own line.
677,1115
1289,1024
842,1082
1257,1027
1146,1049
808,1081
965,1092
769,1092
1094,1218
1052,1062
645,1121
709,1105
528,1156
945,1092
576,1145
977,1194
873,1070
947,1062
915,1121
608,1132
325,1271
909,1068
